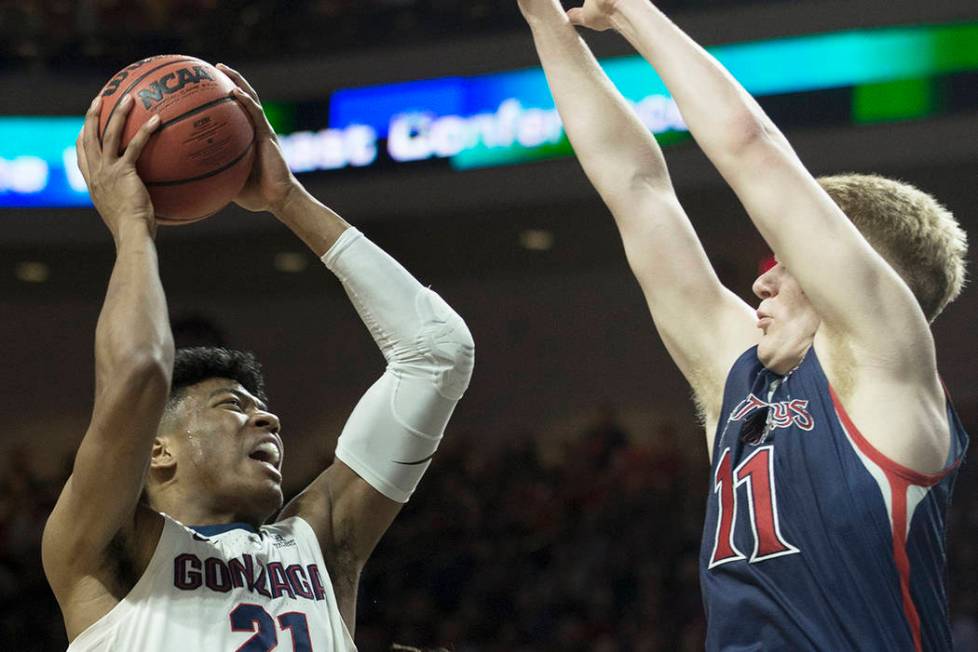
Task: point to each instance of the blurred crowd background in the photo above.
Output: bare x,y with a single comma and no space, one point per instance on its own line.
56,32
565,508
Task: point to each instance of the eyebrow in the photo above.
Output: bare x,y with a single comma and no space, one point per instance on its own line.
241,395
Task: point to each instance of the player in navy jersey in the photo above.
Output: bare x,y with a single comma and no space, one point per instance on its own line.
832,442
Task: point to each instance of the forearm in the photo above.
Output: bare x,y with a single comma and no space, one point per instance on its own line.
133,328
617,151
316,224
722,117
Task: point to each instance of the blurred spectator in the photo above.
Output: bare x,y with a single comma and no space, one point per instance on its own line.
113,33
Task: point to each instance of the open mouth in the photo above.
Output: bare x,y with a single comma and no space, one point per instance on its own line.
268,455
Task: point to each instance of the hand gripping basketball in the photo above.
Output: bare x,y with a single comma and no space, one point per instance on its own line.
118,193
201,155
270,181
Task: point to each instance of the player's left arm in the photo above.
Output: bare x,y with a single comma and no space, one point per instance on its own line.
858,296
394,430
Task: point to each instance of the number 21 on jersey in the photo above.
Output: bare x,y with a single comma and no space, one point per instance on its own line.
248,617
757,472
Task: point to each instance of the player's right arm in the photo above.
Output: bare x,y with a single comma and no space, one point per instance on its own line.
704,326
133,366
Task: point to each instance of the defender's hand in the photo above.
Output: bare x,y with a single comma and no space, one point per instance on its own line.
271,181
595,14
118,193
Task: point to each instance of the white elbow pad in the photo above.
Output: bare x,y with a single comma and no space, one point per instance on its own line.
379,441
396,427
446,343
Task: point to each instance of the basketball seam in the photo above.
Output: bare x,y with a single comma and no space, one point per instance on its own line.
187,114
163,219
229,164
133,85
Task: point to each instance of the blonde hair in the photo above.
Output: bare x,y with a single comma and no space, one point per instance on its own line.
911,230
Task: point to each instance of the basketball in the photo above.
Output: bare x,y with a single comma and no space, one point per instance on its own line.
200,156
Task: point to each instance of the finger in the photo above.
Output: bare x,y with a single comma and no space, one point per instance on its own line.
576,16
89,133
238,79
80,157
113,130
258,117
138,142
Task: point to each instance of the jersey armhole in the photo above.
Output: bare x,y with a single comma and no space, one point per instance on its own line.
885,463
322,555
721,421
307,530
89,636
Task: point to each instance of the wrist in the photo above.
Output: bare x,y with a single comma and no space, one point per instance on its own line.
547,20
624,12
291,201
543,14
133,229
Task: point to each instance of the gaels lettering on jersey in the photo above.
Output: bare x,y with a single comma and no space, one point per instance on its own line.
273,580
783,413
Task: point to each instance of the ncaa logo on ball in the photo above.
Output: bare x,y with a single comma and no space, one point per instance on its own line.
171,83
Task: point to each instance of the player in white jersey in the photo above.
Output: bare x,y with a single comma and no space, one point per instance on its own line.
158,541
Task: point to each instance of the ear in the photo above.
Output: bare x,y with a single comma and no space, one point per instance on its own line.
163,457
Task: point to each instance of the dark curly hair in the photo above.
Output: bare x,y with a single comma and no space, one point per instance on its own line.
196,364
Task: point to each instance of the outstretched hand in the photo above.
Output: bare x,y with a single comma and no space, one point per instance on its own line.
271,181
118,193
594,14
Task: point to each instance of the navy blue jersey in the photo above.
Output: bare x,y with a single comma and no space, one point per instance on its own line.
813,539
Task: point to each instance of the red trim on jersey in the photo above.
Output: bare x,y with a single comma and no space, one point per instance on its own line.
900,478
898,503
891,468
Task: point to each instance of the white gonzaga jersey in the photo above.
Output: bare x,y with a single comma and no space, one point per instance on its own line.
227,588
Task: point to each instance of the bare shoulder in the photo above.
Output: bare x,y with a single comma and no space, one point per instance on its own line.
901,412
87,590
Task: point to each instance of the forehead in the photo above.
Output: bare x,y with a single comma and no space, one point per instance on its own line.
214,388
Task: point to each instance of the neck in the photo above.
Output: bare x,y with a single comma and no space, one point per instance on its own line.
789,357
189,512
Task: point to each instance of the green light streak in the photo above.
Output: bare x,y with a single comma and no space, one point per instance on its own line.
281,115
891,71
903,99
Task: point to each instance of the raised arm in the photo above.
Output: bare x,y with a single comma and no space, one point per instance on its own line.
877,345
390,438
133,364
703,325
855,292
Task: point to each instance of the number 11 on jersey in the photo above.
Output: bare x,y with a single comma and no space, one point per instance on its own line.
757,472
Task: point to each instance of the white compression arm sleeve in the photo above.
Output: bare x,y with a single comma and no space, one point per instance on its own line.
394,430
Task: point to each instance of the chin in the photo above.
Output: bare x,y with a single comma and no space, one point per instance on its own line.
273,498
768,354
265,501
